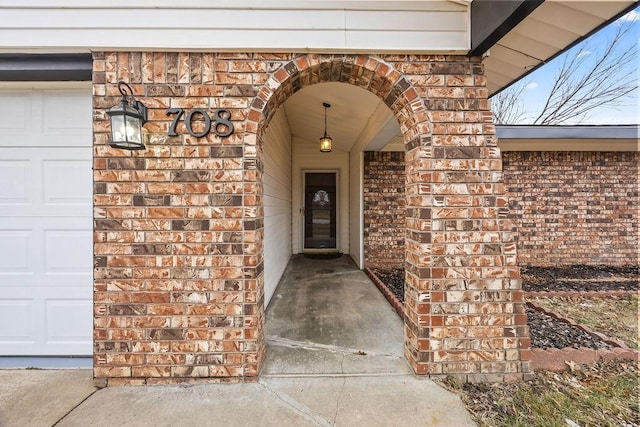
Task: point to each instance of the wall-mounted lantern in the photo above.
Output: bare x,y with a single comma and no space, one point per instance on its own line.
127,119
325,141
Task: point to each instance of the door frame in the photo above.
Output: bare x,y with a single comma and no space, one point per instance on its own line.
304,173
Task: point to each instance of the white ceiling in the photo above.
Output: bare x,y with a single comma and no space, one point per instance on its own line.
355,114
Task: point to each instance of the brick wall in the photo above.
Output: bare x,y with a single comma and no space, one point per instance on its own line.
574,207
569,207
384,209
178,227
176,290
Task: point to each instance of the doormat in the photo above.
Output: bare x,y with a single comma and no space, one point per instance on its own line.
330,255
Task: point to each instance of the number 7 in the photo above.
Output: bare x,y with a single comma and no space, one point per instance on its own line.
172,128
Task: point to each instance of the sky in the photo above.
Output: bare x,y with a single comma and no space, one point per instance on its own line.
538,83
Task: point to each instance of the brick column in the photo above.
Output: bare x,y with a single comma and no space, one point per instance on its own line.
178,235
463,304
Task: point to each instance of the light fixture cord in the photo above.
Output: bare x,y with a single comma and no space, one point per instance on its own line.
325,122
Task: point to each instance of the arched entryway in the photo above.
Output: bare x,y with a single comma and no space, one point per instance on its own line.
461,314
323,315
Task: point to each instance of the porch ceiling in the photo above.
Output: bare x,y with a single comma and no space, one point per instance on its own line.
353,111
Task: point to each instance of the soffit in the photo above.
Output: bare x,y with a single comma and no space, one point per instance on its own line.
546,32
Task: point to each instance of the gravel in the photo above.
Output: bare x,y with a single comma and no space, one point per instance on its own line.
548,332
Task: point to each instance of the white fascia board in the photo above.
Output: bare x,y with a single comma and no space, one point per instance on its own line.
568,138
568,132
569,144
445,5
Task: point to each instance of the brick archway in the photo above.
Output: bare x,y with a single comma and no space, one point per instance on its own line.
457,263
178,292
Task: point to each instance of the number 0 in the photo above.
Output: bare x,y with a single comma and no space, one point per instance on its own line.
207,122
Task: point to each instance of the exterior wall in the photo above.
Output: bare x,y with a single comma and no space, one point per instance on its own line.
178,232
306,158
569,207
238,25
384,211
277,202
179,227
574,207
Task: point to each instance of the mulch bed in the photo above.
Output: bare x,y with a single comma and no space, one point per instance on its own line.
580,278
546,331
393,279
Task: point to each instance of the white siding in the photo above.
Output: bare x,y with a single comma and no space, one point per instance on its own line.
372,26
356,170
307,157
277,202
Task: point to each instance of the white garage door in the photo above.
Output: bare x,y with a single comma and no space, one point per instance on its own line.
45,222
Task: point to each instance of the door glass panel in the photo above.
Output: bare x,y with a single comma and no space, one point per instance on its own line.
320,211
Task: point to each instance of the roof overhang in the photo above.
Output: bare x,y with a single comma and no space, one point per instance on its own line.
524,36
569,138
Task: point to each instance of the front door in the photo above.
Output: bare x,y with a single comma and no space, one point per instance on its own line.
320,203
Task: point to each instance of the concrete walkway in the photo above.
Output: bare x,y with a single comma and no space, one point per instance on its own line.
326,317
334,358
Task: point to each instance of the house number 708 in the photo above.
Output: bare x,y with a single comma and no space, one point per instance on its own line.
222,125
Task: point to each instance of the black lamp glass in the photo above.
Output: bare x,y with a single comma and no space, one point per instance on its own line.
127,119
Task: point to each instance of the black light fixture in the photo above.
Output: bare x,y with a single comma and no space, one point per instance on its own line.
127,119
325,141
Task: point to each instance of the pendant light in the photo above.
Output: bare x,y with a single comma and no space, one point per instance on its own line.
325,141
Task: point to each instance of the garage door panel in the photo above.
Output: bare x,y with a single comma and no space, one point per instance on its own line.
16,323
37,118
66,182
68,252
61,111
46,182
15,182
15,115
38,321
54,252
15,248
66,321
46,224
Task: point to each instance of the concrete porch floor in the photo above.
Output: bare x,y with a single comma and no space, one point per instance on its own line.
327,318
